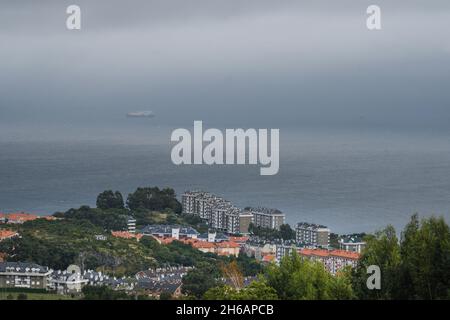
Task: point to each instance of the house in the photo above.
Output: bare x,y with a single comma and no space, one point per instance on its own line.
170,231
19,217
126,235
352,243
69,281
7,234
23,275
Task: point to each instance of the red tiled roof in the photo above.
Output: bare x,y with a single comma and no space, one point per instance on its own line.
268,258
126,235
21,216
227,244
239,239
5,234
327,253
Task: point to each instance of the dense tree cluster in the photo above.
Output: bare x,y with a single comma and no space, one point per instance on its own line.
107,219
110,200
285,232
154,199
416,267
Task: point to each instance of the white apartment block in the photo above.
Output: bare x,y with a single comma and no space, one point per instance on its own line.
131,225
219,213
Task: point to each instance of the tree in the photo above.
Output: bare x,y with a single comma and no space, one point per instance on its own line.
199,280
110,200
286,232
153,199
425,253
257,290
300,279
383,250
417,267
165,295
102,293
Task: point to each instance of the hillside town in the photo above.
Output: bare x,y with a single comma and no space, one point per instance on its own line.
229,234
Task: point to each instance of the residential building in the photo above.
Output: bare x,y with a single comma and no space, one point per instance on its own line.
213,237
69,281
225,248
333,260
7,234
18,217
245,218
313,235
131,225
267,218
23,275
283,250
100,237
219,213
166,231
352,243
126,235
188,201
225,217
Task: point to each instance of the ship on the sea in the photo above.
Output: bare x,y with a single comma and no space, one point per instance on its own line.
141,114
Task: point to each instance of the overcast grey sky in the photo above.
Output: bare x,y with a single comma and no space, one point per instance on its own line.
242,62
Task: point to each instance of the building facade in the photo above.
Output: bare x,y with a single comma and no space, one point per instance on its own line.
23,275
313,235
352,244
333,260
267,218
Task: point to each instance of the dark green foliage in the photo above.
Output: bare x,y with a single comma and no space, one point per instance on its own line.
154,199
200,280
417,267
300,279
22,296
178,253
165,296
285,232
103,293
257,290
248,266
110,200
57,244
110,219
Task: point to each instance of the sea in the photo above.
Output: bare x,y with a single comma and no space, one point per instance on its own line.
355,180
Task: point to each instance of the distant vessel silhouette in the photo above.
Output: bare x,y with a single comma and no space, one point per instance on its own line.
141,114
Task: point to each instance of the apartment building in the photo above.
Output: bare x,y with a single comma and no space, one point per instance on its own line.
131,225
267,218
225,217
23,275
333,260
219,213
245,218
352,244
313,235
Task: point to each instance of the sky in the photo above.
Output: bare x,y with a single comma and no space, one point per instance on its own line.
233,63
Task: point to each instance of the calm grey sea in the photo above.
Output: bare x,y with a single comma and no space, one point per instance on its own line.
349,180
